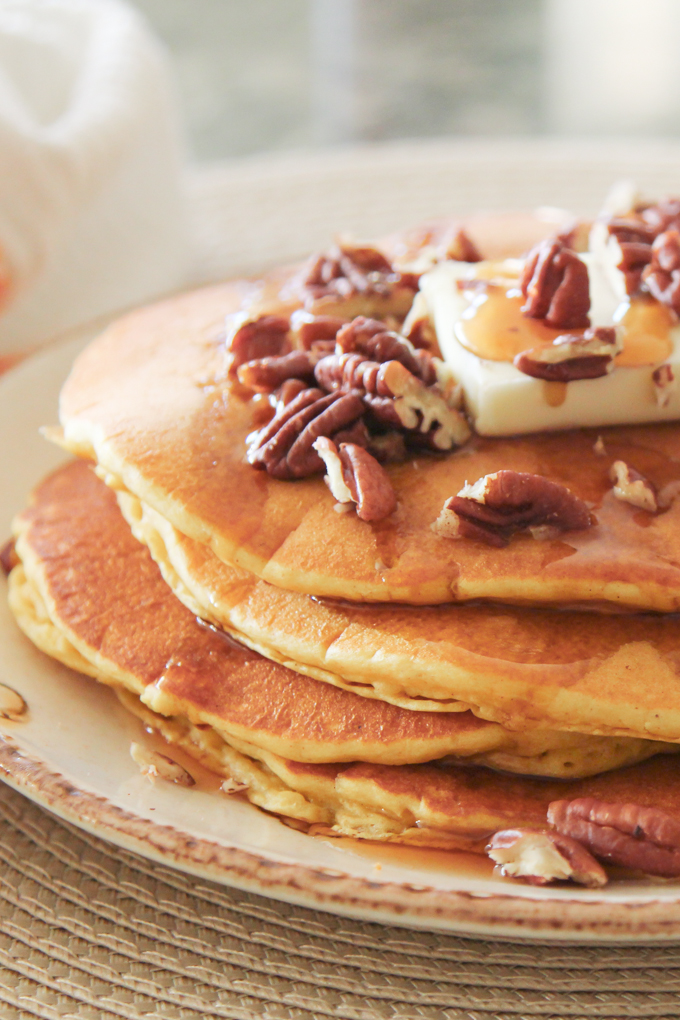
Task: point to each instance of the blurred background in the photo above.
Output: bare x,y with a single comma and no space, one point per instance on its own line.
263,75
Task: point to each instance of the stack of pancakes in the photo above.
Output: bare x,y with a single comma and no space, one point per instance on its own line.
374,680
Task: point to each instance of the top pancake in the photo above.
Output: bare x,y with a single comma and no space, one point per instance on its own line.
146,401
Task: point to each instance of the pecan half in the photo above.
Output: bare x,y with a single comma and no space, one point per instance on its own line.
284,447
555,283
8,557
541,856
662,275
664,383
308,329
571,357
629,835
497,506
263,337
264,375
154,766
370,338
353,475
632,487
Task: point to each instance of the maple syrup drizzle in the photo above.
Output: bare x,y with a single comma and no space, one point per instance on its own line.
494,328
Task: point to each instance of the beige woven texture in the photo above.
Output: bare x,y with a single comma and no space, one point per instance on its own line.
90,931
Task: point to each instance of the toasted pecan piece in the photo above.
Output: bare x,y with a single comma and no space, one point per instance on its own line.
662,275
154,766
353,475
8,557
308,329
555,284
264,375
498,505
284,447
664,384
540,856
632,487
263,337
571,357
371,338
629,835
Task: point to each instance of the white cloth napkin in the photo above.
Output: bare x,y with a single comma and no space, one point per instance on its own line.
91,202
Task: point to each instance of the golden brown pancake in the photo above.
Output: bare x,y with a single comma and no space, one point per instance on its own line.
606,674
89,594
146,402
82,570
452,807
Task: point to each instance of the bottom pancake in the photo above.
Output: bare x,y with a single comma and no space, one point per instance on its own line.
432,805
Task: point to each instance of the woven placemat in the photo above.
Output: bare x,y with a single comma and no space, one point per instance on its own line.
87,930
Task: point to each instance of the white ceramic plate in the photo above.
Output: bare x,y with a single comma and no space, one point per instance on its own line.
72,755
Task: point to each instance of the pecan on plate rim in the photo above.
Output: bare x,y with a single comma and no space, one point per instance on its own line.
628,835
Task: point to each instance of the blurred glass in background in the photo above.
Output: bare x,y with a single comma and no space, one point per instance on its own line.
263,75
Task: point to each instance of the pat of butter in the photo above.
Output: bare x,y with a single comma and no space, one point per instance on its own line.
501,400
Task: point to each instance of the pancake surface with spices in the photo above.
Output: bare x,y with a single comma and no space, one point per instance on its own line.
87,593
149,402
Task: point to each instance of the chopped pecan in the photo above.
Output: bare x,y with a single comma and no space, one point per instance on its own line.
154,766
264,337
349,268
284,447
370,338
266,374
635,233
631,230
555,283
308,329
662,275
571,357
497,506
664,383
231,786
418,327
663,215
632,487
629,835
8,557
541,856
353,475
634,258
458,246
